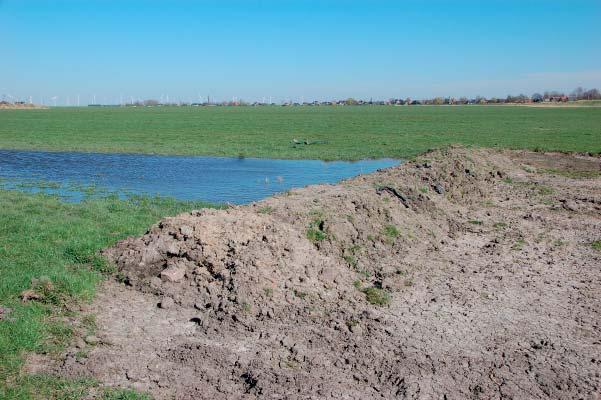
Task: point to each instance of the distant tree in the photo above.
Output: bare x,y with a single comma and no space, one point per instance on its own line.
592,94
522,98
351,102
537,97
151,102
438,100
578,93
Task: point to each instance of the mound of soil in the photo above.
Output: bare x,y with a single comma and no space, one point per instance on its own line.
463,274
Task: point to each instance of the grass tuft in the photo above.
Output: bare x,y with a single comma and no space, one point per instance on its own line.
377,296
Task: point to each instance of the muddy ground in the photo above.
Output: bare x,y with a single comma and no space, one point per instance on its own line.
463,274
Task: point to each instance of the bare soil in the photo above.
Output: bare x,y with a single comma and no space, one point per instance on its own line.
463,274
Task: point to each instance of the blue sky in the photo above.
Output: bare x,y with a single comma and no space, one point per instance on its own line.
295,49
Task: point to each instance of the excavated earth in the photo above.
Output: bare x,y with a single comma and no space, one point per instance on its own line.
462,274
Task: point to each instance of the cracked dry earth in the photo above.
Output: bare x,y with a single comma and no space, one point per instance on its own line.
494,289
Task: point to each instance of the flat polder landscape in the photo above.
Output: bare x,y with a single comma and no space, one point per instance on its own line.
51,265
333,133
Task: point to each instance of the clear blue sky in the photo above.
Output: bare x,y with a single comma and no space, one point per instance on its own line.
296,49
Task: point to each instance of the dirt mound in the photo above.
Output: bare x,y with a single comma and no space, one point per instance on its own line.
462,274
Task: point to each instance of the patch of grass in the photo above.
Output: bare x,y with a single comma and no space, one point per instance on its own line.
265,210
376,131
268,292
57,337
529,168
573,174
541,190
596,245
365,273
352,323
500,225
350,260
475,222
424,189
544,190
81,355
377,296
88,322
123,394
391,231
518,245
48,388
315,235
50,247
315,232
299,294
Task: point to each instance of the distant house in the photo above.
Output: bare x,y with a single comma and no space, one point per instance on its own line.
559,99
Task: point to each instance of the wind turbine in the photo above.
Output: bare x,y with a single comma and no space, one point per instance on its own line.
54,98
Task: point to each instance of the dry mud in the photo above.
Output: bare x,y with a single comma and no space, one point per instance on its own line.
494,289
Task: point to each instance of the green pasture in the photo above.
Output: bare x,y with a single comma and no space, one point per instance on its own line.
332,132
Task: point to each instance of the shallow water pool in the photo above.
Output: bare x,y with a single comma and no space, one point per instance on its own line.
213,179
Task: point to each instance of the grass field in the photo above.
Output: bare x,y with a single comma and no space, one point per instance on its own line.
51,247
342,132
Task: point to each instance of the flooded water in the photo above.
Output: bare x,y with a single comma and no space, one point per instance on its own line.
213,179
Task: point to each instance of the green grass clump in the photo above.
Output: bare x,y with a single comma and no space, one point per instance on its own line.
315,232
596,245
375,132
50,248
265,210
377,296
391,231
475,222
573,174
518,245
315,235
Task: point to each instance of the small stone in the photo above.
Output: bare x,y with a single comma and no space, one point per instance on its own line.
356,329
166,303
438,189
570,205
155,282
186,230
173,274
91,340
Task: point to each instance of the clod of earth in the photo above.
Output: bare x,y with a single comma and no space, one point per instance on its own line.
443,310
